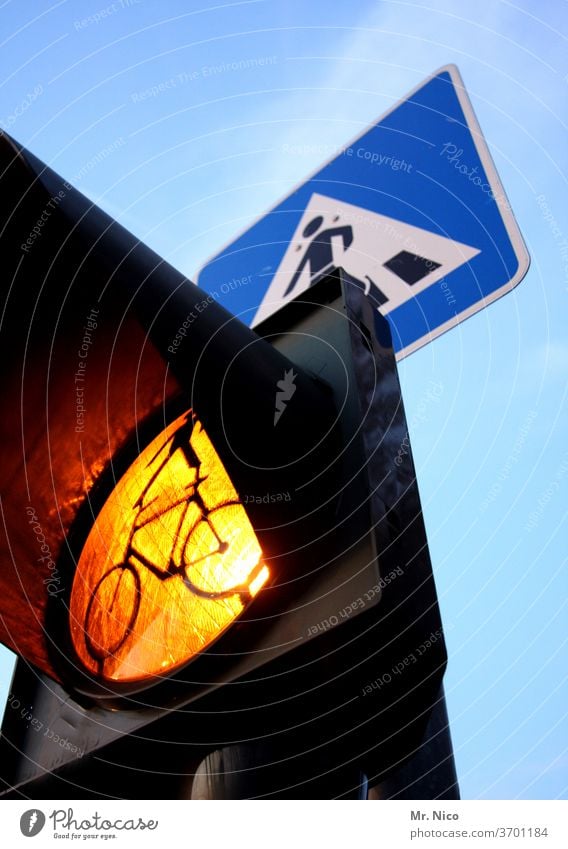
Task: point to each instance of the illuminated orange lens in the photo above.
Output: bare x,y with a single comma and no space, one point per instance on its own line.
171,561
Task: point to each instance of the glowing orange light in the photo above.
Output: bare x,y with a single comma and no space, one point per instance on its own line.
171,561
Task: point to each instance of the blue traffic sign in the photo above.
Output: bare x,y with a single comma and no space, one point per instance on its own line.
413,208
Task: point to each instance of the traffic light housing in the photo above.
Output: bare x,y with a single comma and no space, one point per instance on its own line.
138,414
334,641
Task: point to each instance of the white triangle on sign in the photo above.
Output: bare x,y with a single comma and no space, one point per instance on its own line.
398,259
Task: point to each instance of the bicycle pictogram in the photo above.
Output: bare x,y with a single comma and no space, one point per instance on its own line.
114,605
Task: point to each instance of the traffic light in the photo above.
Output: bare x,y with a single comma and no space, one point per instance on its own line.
135,400
211,534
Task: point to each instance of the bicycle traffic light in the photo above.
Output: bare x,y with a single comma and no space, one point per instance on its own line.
138,416
193,504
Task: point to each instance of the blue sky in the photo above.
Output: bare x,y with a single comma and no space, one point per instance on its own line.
191,163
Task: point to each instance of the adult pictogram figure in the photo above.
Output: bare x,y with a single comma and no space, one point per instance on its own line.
319,253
